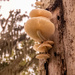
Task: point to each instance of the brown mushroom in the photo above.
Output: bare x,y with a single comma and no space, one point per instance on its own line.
49,42
43,56
40,12
36,46
38,3
42,47
39,24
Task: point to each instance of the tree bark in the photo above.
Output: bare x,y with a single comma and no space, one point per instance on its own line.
62,61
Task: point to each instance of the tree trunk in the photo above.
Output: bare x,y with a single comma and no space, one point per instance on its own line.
62,61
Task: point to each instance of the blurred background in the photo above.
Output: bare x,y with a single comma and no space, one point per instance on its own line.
17,56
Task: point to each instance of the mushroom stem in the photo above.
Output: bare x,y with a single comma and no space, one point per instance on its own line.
41,36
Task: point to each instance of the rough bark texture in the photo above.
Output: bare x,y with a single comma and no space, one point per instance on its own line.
69,38
62,61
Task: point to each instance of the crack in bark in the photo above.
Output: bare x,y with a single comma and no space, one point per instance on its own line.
60,17
62,25
61,29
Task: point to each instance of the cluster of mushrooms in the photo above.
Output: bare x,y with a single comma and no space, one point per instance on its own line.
40,29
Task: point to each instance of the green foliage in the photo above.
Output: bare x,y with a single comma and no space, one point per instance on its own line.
22,63
4,64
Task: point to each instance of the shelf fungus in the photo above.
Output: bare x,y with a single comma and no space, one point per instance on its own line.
40,13
43,56
39,3
40,29
44,47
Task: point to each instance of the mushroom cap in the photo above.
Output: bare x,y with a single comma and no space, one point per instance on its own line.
40,12
42,47
49,42
43,56
45,26
38,3
36,46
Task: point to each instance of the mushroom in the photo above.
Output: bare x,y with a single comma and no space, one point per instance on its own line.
36,46
49,42
43,56
40,12
39,3
39,28
42,47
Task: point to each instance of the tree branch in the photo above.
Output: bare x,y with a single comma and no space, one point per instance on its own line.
25,66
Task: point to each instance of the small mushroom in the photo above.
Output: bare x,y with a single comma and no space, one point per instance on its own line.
42,47
40,12
39,24
39,3
43,56
36,46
